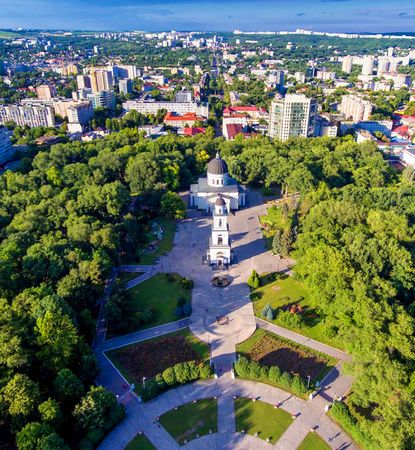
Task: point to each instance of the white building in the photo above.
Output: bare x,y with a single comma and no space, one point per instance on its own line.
204,193
151,107
292,115
6,148
367,66
32,116
219,253
347,64
102,99
356,108
408,156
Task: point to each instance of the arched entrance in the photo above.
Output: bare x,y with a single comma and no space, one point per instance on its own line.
220,259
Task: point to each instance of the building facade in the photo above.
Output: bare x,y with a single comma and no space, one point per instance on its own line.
219,253
6,148
203,194
292,116
32,116
356,108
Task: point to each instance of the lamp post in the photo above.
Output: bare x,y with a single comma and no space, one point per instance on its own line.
308,383
144,382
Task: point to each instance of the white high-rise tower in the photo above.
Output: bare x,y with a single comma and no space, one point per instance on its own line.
219,246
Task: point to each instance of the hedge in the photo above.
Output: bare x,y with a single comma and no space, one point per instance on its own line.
341,413
180,373
253,370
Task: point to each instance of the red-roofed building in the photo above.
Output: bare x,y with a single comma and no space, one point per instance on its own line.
175,120
250,111
193,131
403,131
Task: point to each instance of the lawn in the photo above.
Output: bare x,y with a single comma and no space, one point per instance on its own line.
282,295
151,303
124,277
140,442
191,419
270,222
150,357
271,350
313,442
262,418
164,245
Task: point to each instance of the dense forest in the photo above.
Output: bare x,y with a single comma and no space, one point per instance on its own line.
68,216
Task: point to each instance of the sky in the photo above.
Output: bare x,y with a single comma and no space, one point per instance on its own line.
210,15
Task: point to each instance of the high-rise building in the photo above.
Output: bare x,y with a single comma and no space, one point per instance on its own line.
347,64
6,148
125,71
126,86
292,115
383,65
83,82
102,99
391,51
80,112
32,116
356,108
46,91
101,80
367,66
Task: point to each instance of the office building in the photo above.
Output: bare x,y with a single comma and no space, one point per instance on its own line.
46,92
101,80
6,148
356,108
126,86
32,116
347,64
83,82
292,115
367,66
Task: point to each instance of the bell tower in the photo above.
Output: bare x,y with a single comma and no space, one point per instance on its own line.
219,246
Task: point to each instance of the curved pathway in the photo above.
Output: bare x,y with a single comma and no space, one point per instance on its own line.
208,304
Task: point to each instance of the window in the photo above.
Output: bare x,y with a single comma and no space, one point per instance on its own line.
220,239
220,222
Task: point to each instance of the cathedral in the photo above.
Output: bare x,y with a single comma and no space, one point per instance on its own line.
204,194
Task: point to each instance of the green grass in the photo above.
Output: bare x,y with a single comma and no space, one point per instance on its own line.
166,243
160,295
313,442
124,277
140,442
270,222
284,292
191,419
11,35
200,347
262,418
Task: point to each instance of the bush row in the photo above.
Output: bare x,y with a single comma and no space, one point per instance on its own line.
180,373
286,318
253,370
349,423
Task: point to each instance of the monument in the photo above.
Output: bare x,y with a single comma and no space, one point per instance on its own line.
219,253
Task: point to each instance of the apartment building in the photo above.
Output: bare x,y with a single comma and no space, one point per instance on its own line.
6,149
356,108
30,115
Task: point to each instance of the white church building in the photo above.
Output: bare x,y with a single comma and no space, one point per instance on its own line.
219,252
203,194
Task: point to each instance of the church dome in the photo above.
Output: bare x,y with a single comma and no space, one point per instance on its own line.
217,166
220,201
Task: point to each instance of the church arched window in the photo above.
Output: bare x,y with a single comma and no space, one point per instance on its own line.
220,239
220,222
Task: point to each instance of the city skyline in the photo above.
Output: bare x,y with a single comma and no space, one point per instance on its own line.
212,15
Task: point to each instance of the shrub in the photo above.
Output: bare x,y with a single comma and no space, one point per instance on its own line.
298,385
182,372
286,379
241,367
169,376
254,370
181,301
289,320
274,374
187,309
253,280
264,373
205,371
187,283
270,314
265,311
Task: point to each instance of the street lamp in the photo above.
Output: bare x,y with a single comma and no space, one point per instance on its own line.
144,382
308,383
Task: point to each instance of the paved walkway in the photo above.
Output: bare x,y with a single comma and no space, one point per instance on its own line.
209,303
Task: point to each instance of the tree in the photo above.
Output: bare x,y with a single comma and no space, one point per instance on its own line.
253,280
36,436
57,336
286,242
173,206
277,242
143,172
67,386
21,396
50,412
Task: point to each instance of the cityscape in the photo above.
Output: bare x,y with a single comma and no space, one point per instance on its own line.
207,237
